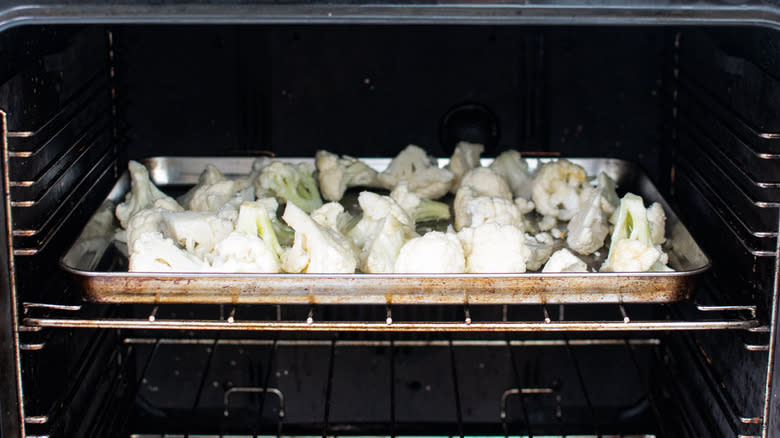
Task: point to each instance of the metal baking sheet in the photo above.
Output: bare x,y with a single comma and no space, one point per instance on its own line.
99,270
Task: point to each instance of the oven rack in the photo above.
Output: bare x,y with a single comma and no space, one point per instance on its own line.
455,318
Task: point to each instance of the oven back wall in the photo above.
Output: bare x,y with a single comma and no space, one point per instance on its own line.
371,90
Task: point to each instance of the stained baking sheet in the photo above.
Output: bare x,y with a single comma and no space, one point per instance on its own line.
100,270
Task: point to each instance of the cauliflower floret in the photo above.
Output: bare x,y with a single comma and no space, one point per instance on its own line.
541,246
142,195
513,168
375,209
258,165
494,248
638,253
557,189
420,209
420,171
145,221
211,197
154,253
198,232
478,182
564,261
547,223
332,215
627,255
291,182
433,253
210,175
381,251
241,252
316,249
657,218
524,205
589,227
254,219
336,174
465,158
493,210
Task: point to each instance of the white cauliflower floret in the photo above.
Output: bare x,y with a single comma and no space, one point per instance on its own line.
290,182
433,253
547,223
513,168
493,210
145,221
631,248
210,175
465,158
420,171
211,197
248,181
198,232
478,182
254,219
241,252
541,246
657,218
375,209
557,189
332,215
336,175
316,249
154,253
142,195
420,209
525,205
381,251
589,227
564,261
494,248
629,255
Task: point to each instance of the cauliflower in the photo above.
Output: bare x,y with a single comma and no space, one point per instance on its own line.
336,174
631,247
154,253
254,219
198,232
589,227
525,205
547,223
564,261
492,210
420,171
541,246
380,252
557,189
513,168
210,175
657,218
212,197
435,252
375,209
316,249
332,215
145,221
291,182
465,158
143,194
478,182
242,252
420,209
494,248
258,165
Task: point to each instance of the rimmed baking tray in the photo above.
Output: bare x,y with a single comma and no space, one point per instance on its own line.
99,270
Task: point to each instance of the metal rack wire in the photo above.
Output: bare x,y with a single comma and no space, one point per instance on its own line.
744,319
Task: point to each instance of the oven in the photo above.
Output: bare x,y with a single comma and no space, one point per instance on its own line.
688,92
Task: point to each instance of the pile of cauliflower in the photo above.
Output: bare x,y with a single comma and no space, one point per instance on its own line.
507,219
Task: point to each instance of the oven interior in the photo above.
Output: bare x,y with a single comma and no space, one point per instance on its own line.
696,107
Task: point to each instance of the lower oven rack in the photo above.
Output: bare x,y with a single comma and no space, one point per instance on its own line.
458,318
